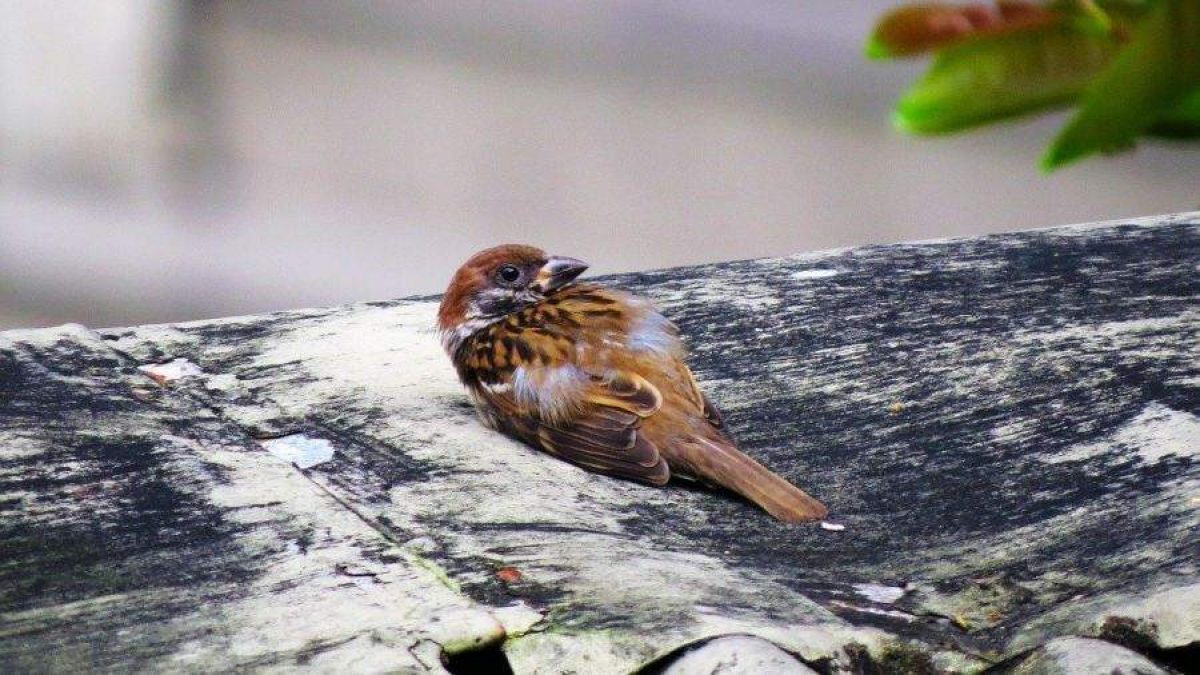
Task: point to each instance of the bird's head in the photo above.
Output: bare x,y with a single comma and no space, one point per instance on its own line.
497,282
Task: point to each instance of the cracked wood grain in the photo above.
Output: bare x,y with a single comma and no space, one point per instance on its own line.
1006,428
142,531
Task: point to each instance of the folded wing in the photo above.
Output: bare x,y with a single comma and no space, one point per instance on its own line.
604,433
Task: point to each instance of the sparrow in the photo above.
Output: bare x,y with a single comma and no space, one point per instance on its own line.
594,376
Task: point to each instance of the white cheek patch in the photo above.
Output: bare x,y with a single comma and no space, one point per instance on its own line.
485,309
491,304
529,297
652,332
451,339
555,392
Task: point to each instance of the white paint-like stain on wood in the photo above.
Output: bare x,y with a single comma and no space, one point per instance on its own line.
807,275
170,371
303,451
867,609
880,593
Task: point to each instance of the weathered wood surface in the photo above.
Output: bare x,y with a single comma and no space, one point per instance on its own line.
1006,427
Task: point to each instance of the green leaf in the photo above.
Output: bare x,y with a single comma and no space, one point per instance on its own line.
1182,122
1087,17
1148,79
1001,76
920,27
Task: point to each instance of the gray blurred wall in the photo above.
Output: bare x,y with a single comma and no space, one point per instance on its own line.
165,160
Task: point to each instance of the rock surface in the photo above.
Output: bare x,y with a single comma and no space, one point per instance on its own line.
1085,656
1005,430
737,655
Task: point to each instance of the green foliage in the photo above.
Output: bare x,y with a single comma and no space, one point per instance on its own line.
1182,122
1133,65
993,78
1151,77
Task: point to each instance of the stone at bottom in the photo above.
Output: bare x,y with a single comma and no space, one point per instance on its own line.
1085,656
737,655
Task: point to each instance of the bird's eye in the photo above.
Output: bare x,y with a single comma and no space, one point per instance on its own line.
508,274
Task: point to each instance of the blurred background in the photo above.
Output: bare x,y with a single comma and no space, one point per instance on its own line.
163,160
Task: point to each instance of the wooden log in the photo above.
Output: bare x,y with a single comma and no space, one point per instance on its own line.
141,530
1005,430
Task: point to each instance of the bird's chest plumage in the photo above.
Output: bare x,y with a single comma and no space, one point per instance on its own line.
543,357
539,336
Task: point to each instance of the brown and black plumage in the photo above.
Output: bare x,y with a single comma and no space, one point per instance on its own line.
594,376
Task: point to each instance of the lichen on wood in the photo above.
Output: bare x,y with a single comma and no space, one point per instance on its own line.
1004,428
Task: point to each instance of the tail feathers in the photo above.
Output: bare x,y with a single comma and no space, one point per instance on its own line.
725,465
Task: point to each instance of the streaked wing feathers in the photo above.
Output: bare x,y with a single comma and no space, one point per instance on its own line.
641,461
626,391
603,436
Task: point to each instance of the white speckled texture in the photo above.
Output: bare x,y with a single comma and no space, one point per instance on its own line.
1003,429
737,656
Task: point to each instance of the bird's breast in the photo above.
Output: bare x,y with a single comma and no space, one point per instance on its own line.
543,355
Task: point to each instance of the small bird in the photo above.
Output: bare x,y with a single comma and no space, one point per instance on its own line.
594,376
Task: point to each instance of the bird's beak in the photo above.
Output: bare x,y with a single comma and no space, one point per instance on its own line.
558,272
